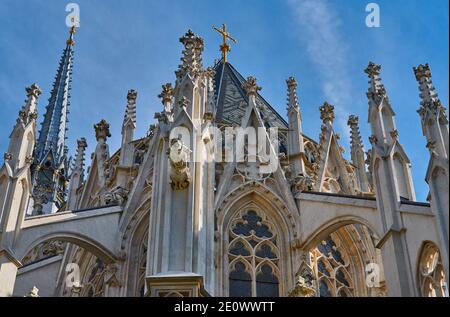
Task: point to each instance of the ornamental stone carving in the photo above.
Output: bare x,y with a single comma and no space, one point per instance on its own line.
102,130
167,93
250,86
303,183
373,69
117,196
179,155
327,112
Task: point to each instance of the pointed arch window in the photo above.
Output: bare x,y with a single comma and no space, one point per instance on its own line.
253,257
333,270
431,273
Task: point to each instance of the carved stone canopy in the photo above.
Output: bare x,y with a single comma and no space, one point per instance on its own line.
327,112
373,70
102,130
250,86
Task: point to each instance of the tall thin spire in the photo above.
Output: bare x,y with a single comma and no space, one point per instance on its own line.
50,168
52,135
295,138
357,154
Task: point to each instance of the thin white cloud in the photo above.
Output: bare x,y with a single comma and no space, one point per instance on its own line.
319,29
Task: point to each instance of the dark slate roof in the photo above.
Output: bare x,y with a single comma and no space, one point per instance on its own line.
231,99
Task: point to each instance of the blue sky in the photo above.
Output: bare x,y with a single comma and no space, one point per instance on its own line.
325,44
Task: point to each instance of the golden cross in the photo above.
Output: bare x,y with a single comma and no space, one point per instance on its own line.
225,47
70,40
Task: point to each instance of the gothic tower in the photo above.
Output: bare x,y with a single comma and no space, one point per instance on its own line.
391,171
50,166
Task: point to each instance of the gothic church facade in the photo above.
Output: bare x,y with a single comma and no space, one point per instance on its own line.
138,222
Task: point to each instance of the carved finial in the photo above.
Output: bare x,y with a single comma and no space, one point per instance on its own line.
130,111
167,93
250,86
376,92
292,93
33,91
192,54
430,102
82,144
422,71
353,123
102,130
394,134
327,112
373,70
132,96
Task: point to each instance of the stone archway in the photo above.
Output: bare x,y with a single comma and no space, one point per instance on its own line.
340,256
430,272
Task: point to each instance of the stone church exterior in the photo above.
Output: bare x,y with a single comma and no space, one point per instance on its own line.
175,213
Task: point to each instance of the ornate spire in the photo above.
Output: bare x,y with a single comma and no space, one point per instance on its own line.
376,91
292,93
50,168
355,135
52,136
327,112
130,111
28,111
428,95
192,55
79,158
295,146
432,113
357,154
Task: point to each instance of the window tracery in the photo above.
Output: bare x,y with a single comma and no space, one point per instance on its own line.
142,266
254,257
431,273
333,270
94,280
